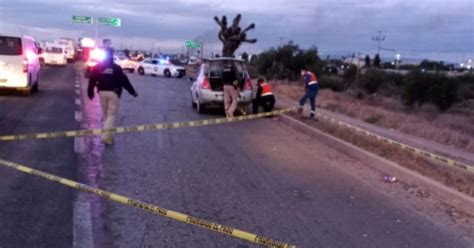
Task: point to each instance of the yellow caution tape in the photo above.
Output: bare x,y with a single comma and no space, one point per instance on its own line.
151,208
141,128
438,158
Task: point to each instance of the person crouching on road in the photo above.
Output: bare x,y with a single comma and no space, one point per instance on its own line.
231,90
312,88
109,80
264,97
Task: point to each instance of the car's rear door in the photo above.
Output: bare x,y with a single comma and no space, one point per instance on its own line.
11,59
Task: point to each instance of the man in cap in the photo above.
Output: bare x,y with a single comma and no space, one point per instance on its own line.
109,80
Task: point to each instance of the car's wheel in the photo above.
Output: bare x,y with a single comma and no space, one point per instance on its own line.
36,86
141,71
192,101
131,70
200,108
245,109
27,91
167,73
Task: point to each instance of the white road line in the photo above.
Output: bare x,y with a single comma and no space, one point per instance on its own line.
82,223
78,116
78,92
78,101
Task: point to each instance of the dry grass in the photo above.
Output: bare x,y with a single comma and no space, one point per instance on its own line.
454,178
454,128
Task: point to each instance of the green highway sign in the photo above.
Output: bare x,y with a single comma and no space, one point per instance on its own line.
192,44
82,19
111,21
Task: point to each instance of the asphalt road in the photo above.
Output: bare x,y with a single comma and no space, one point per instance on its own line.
35,213
260,176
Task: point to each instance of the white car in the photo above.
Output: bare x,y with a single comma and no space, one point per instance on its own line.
69,47
160,67
19,63
207,88
54,54
125,63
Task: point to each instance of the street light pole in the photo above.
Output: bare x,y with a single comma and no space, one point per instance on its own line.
96,29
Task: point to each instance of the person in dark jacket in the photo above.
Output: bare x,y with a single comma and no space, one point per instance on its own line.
231,89
264,97
109,80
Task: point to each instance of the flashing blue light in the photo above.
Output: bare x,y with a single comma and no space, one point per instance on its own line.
98,54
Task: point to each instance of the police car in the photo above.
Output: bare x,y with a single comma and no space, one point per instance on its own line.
125,63
160,67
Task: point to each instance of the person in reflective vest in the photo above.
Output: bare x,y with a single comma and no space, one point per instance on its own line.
312,88
264,97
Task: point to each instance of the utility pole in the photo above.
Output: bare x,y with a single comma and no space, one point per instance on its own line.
358,66
96,24
379,38
202,49
281,41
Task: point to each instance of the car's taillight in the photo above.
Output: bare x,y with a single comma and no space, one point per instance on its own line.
25,65
248,84
205,84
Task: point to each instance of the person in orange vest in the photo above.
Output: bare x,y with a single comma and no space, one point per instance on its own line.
264,98
312,88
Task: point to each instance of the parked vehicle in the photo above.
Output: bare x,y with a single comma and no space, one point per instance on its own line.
69,48
95,57
19,63
160,67
207,88
54,54
126,63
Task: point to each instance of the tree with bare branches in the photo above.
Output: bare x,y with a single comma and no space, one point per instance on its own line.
232,37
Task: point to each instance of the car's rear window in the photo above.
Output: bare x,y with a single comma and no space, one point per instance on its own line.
215,67
54,50
10,46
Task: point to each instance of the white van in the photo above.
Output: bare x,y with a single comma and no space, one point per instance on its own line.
19,63
54,54
69,47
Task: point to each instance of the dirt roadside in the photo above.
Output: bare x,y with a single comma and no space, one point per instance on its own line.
457,179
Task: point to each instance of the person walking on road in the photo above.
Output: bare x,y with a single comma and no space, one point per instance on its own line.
264,97
231,92
312,88
109,80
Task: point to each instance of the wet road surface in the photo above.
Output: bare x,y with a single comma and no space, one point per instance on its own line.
260,176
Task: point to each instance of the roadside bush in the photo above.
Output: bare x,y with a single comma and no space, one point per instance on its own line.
444,92
350,74
371,80
466,87
334,83
375,80
420,88
285,62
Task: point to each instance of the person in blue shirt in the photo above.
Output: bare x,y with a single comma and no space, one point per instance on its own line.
312,88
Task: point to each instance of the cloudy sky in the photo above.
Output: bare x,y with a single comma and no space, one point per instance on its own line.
437,29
